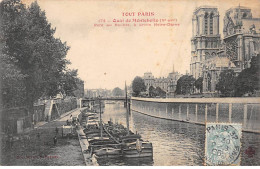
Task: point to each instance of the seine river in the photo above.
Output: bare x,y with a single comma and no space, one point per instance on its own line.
174,143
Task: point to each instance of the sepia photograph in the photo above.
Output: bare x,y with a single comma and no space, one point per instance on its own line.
130,83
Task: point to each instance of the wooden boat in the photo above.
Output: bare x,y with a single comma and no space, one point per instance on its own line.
130,138
88,114
93,121
97,143
88,131
117,140
95,134
95,140
91,126
95,148
132,145
100,144
108,152
92,117
137,148
110,102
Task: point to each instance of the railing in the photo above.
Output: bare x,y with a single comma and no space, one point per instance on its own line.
202,110
105,98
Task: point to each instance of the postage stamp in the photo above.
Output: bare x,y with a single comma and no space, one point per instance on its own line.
223,144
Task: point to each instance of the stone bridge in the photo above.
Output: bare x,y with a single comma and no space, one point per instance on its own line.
92,101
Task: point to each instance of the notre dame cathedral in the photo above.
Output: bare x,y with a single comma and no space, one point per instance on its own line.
210,54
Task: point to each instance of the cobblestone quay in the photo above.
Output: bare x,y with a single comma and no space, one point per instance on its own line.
37,147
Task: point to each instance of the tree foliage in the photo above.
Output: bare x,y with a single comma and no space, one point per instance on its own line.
159,92
32,52
152,91
199,84
69,82
12,86
226,83
185,85
248,80
138,86
117,92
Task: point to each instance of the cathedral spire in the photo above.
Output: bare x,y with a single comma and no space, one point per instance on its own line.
239,12
239,22
173,68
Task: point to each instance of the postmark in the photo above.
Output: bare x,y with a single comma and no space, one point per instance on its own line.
223,144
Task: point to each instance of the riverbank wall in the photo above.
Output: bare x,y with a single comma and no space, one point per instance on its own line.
16,120
89,160
203,110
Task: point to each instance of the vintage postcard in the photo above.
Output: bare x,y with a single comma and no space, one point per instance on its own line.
130,83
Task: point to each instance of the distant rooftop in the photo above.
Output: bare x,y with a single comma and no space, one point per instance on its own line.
238,7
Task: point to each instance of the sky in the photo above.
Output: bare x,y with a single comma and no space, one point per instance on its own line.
106,57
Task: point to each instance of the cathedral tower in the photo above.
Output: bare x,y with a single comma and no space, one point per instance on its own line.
205,39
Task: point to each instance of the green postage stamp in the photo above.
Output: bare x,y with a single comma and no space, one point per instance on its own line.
223,144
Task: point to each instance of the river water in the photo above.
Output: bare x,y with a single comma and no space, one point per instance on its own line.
174,143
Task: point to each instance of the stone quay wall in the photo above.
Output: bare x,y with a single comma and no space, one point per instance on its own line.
202,110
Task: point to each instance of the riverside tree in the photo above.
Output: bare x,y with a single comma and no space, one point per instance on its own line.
199,84
152,91
32,50
185,85
12,86
248,81
160,92
138,86
69,82
226,83
117,92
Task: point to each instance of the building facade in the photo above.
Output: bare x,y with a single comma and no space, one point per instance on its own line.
205,39
241,36
241,42
167,84
148,80
92,93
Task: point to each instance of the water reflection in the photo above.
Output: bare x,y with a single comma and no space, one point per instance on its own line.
174,142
